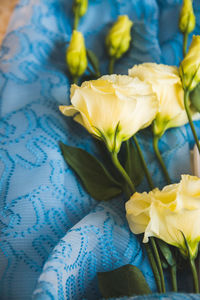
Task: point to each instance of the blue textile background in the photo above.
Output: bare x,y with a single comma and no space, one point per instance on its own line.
53,237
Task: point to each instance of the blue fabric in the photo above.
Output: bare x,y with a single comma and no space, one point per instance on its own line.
169,296
54,237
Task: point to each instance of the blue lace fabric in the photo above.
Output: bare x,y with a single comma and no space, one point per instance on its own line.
54,237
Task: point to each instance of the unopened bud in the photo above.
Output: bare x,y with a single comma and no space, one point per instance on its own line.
80,7
187,17
190,66
119,37
76,56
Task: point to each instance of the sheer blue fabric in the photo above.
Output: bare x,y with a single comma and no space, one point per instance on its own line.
54,237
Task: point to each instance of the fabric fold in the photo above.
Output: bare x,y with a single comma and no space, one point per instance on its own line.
53,236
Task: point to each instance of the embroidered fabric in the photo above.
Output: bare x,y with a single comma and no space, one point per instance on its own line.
54,237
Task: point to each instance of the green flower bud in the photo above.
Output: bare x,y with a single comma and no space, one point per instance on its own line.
76,56
119,37
80,7
190,66
187,17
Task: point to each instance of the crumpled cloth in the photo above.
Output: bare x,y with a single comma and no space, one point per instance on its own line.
54,237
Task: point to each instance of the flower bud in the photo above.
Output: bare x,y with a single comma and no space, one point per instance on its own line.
80,6
119,37
76,55
190,66
187,17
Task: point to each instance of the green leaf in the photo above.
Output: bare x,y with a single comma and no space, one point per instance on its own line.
164,264
166,252
94,61
195,98
95,178
124,281
133,164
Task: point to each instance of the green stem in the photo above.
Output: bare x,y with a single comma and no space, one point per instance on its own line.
173,278
123,172
194,275
148,176
76,18
98,74
185,41
154,267
198,266
75,80
111,65
127,143
151,185
186,103
157,257
128,168
159,157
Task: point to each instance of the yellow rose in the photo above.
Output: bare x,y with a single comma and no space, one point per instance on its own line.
187,17
168,214
112,108
119,37
190,66
166,83
76,55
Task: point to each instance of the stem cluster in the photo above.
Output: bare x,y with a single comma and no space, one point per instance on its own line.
152,250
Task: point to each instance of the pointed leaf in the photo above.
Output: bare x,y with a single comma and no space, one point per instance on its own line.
94,61
133,164
195,98
166,252
124,281
95,178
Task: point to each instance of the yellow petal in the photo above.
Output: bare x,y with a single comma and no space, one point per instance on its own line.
111,102
166,84
69,110
168,214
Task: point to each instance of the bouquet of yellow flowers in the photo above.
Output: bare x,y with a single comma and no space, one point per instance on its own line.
113,109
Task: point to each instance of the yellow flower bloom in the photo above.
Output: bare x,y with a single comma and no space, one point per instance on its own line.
112,108
166,83
76,55
190,66
187,17
168,214
119,37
